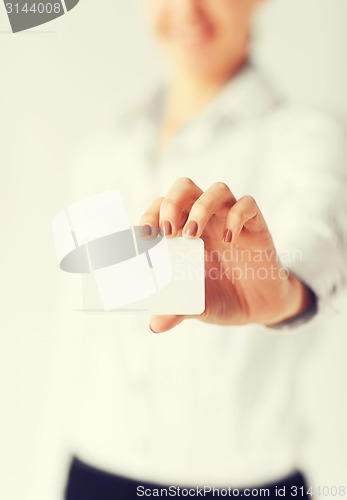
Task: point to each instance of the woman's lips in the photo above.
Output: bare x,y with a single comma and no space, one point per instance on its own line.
192,36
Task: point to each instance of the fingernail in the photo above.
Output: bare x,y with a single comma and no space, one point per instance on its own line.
227,237
191,229
146,230
166,228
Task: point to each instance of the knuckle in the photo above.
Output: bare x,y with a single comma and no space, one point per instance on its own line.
185,181
200,209
222,186
249,199
237,217
168,205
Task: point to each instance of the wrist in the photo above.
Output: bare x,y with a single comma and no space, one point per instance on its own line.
296,300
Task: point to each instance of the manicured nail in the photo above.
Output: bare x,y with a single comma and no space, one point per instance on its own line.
166,228
228,236
146,231
149,326
191,229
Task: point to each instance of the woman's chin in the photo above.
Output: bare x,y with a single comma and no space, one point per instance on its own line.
202,65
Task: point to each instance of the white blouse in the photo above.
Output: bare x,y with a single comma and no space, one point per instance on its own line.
202,404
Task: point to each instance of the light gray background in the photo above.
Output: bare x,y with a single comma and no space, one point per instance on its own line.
58,83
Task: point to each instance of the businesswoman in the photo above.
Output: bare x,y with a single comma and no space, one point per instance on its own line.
215,153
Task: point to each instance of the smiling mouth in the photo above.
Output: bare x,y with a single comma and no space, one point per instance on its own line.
192,36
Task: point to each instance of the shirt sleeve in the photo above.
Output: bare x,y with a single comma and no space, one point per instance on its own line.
305,162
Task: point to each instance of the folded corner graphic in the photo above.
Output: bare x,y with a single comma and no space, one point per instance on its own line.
130,271
24,14
70,4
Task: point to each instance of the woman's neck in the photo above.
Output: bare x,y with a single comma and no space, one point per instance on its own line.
187,96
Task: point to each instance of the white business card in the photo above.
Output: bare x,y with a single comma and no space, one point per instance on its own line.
122,270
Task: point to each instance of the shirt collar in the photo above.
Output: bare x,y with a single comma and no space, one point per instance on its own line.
247,96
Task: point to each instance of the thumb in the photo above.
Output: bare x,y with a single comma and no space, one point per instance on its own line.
160,324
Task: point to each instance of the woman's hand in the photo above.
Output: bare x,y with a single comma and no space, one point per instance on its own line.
245,281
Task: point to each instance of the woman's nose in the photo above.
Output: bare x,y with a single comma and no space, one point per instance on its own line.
187,10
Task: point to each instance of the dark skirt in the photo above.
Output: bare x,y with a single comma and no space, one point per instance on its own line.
89,483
